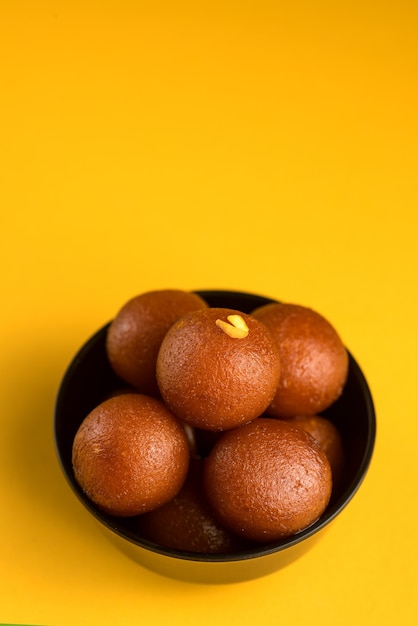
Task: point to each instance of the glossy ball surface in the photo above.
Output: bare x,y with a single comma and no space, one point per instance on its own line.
135,335
267,480
314,361
130,455
214,381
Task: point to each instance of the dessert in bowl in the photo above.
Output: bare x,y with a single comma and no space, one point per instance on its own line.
90,381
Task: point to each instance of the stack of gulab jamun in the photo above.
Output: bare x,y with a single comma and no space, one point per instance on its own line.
217,440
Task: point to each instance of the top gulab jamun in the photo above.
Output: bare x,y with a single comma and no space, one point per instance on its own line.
218,368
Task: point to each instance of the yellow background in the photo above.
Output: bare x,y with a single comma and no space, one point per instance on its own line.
264,146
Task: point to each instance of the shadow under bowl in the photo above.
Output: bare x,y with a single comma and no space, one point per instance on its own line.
89,379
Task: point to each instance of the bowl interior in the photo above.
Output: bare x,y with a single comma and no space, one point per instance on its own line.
90,379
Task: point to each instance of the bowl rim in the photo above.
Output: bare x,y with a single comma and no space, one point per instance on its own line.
255,551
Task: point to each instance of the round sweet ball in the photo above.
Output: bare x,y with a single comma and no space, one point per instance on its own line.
186,522
130,455
314,361
329,438
267,480
218,368
135,335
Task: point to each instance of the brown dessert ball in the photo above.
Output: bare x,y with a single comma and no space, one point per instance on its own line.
267,480
329,438
186,522
215,375
314,361
130,455
135,335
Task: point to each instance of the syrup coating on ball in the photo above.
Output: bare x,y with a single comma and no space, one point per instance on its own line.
130,455
329,438
135,335
314,361
216,374
267,480
187,522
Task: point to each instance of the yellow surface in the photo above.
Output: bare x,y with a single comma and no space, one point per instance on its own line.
261,146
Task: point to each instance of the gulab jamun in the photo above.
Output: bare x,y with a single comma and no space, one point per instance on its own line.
313,359
329,438
218,368
135,335
130,455
186,522
267,480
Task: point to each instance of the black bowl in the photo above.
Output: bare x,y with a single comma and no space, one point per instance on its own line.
89,379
